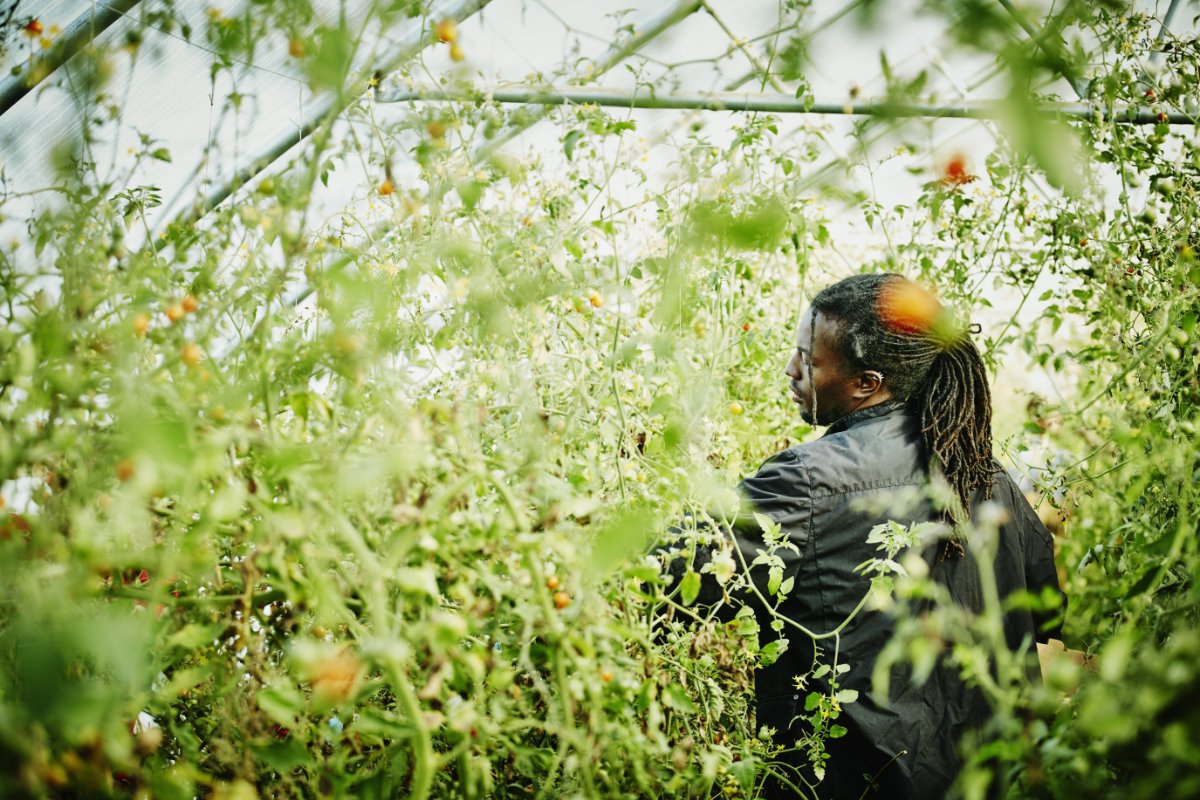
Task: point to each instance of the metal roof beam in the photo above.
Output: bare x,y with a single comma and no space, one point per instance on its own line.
772,103
78,35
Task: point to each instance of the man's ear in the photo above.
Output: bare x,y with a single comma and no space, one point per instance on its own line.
868,383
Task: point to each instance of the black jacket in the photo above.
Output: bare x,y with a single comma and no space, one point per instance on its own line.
827,495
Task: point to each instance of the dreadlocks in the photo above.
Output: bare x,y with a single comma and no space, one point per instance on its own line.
891,324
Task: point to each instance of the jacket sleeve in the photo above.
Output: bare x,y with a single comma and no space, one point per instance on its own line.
1041,575
782,490
779,490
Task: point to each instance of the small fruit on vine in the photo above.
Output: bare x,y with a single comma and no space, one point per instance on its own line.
336,677
125,469
191,354
955,172
446,31
908,308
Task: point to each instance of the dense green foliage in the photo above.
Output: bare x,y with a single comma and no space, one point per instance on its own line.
358,505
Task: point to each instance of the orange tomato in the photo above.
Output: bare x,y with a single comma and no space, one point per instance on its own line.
125,470
191,354
446,31
907,307
955,172
337,677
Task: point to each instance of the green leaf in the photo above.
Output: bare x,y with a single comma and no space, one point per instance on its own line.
847,696
162,154
284,704
744,771
622,538
775,580
766,523
469,192
675,698
771,652
195,635
329,66
689,587
186,679
569,144
282,757
418,580
836,731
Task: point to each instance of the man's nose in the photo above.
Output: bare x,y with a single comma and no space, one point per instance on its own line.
793,368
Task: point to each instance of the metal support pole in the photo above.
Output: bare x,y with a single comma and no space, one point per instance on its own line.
1166,27
78,35
779,104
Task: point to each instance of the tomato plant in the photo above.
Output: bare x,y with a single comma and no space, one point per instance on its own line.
300,503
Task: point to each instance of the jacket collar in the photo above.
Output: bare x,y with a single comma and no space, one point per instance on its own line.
862,415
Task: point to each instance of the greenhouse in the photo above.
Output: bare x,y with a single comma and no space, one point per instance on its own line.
547,399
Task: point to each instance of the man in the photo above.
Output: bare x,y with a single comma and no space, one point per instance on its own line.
905,395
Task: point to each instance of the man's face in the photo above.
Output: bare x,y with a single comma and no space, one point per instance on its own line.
818,369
